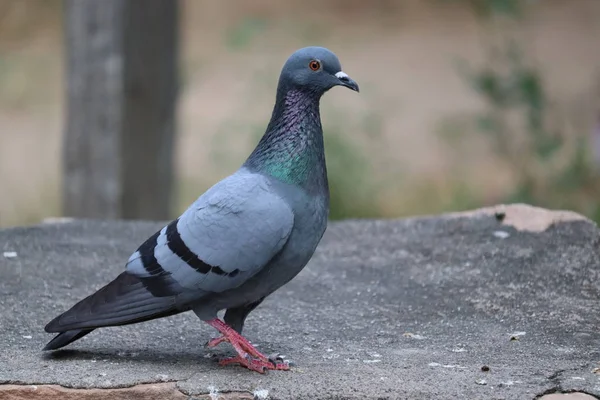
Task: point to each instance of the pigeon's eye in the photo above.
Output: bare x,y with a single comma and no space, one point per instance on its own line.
314,65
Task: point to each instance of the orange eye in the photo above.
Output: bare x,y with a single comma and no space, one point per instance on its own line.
314,65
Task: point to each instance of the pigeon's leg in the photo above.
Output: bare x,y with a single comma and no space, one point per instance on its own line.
247,356
236,340
235,318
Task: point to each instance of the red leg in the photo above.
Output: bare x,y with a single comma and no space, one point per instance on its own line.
248,356
214,342
236,340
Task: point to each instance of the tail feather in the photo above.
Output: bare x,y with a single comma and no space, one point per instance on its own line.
123,301
64,338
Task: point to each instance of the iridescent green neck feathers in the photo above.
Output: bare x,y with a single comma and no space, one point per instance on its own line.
291,149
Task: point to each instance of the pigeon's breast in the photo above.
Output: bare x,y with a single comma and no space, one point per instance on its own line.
310,219
310,222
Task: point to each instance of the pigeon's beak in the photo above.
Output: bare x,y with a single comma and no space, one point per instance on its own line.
346,81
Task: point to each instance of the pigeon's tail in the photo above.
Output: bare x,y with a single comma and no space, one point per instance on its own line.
63,339
123,301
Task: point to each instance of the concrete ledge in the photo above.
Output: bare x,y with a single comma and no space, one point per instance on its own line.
498,303
48,392
152,391
523,217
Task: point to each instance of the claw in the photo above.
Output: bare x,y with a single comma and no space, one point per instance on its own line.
281,366
279,359
275,358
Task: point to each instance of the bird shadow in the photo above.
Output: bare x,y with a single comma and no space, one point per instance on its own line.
139,355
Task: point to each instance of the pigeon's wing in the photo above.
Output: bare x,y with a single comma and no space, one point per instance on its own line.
223,239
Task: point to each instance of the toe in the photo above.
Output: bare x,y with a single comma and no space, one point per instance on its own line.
280,360
216,341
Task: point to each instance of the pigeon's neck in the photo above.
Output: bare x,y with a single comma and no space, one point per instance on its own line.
291,149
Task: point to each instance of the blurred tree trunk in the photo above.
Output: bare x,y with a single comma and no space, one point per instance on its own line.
122,90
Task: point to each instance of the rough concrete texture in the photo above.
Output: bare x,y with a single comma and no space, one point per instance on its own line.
461,306
567,396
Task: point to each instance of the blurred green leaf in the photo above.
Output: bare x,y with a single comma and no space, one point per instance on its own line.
528,83
348,171
242,35
489,8
507,7
488,124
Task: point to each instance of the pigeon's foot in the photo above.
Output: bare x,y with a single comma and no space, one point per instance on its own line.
240,341
216,341
254,364
247,356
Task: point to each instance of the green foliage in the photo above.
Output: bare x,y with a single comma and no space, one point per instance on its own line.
354,191
494,8
551,169
243,33
491,8
348,172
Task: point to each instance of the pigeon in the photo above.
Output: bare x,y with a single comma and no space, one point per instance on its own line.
242,239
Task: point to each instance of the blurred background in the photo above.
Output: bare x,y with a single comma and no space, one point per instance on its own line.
463,103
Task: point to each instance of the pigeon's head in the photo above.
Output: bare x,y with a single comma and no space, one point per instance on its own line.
316,69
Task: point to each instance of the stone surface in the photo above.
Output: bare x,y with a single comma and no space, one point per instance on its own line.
411,309
50,392
567,396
